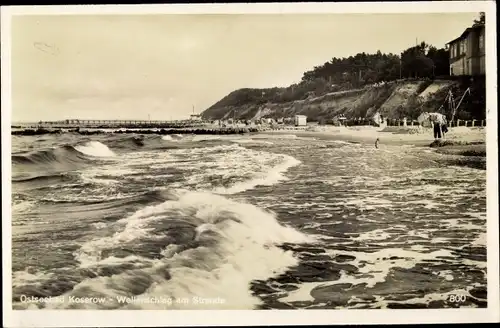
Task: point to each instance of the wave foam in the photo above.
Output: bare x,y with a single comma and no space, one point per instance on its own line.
96,149
236,243
232,169
267,178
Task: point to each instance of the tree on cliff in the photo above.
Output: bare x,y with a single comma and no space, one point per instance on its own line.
481,20
415,63
356,70
441,60
422,60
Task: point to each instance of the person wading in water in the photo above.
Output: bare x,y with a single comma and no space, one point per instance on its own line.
377,142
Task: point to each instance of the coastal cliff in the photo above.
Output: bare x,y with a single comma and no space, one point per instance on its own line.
394,99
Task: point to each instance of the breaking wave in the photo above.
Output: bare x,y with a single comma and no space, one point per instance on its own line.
47,162
95,148
195,244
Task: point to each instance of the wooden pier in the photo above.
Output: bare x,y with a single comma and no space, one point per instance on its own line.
109,124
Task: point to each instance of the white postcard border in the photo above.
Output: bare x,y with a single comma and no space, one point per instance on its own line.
119,318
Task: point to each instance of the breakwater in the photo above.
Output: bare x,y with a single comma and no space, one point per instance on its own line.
213,131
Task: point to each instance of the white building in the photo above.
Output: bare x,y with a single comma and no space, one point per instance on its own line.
300,120
195,117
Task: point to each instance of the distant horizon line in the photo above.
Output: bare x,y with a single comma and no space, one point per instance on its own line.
85,119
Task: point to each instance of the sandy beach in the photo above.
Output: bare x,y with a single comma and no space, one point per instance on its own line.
390,135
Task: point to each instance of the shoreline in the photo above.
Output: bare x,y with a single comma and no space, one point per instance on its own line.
459,141
462,146
364,134
403,136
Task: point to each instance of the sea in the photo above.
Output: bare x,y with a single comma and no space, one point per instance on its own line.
258,221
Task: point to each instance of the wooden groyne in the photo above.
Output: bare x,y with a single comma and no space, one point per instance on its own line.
205,131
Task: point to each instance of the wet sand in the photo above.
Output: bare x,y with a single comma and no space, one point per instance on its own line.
395,136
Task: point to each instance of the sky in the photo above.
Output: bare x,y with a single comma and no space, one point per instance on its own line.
161,66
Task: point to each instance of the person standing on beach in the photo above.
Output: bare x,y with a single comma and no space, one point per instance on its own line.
377,142
444,129
437,130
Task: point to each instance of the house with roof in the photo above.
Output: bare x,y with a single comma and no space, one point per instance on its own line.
467,52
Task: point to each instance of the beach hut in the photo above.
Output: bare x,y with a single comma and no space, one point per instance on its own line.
300,120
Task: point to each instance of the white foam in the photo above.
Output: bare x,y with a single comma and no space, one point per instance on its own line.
251,141
95,148
173,137
22,278
377,234
481,240
112,260
206,138
23,207
303,293
267,178
447,275
242,168
245,251
375,269
378,264
99,225
282,136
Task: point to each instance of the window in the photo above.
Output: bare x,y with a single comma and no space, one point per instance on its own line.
481,41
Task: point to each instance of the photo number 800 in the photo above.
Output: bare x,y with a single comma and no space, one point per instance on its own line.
457,298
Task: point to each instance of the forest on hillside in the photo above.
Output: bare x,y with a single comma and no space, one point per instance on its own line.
340,74
420,61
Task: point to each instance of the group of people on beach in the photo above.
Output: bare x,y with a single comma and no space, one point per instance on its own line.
439,125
